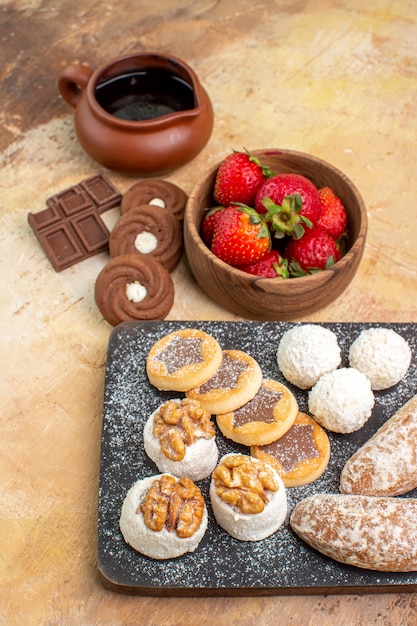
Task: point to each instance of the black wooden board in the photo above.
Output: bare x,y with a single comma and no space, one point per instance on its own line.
280,564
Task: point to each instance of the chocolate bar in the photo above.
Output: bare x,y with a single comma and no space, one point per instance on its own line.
70,229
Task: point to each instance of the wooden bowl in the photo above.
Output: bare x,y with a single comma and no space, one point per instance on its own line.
273,298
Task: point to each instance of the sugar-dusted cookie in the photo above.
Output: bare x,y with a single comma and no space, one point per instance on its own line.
266,417
163,516
179,437
248,497
301,455
236,382
183,359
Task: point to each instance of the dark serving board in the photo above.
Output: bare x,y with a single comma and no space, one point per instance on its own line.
222,565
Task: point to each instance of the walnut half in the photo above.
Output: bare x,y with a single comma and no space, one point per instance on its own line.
178,424
243,482
174,504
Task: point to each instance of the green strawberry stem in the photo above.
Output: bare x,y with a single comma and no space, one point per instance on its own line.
286,219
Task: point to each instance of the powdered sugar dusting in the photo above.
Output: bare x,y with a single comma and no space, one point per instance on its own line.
222,564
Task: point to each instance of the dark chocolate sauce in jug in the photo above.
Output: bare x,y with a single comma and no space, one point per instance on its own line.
144,95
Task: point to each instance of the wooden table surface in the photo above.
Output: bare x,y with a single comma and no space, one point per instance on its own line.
338,80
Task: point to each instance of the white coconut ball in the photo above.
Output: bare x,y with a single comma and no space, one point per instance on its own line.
342,400
307,352
382,355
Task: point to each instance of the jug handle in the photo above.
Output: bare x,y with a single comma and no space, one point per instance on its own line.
72,80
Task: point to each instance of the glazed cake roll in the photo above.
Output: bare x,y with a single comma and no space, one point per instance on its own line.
386,464
376,533
163,517
179,437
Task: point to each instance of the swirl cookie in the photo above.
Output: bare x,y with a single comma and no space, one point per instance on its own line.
149,230
133,287
301,455
183,359
236,382
265,418
163,516
156,192
179,437
248,497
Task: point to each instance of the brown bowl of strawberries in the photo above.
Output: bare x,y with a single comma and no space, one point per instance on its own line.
274,234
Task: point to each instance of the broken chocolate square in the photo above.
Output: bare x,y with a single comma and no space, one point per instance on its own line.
70,229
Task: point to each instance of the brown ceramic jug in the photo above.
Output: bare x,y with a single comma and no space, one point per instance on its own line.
142,114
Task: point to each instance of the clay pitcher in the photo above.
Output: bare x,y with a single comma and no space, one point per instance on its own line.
142,114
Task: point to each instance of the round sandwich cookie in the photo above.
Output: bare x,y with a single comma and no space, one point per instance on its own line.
248,497
301,455
156,192
148,230
382,354
133,287
270,413
236,382
179,437
306,352
163,516
183,359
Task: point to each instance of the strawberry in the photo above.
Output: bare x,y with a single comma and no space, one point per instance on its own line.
240,236
287,218
281,185
207,225
238,178
272,265
314,251
333,218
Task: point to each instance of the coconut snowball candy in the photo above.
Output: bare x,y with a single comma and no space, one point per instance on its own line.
382,354
307,352
342,400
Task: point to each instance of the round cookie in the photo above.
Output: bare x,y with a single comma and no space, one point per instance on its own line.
156,192
266,417
163,516
382,354
301,455
248,497
342,400
149,230
133,287
179,437
183,359
236,382
306,352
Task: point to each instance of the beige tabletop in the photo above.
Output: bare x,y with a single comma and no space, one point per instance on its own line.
337,80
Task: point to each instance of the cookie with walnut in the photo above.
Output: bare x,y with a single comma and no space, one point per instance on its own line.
301,455
163,517
248,497
179,437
